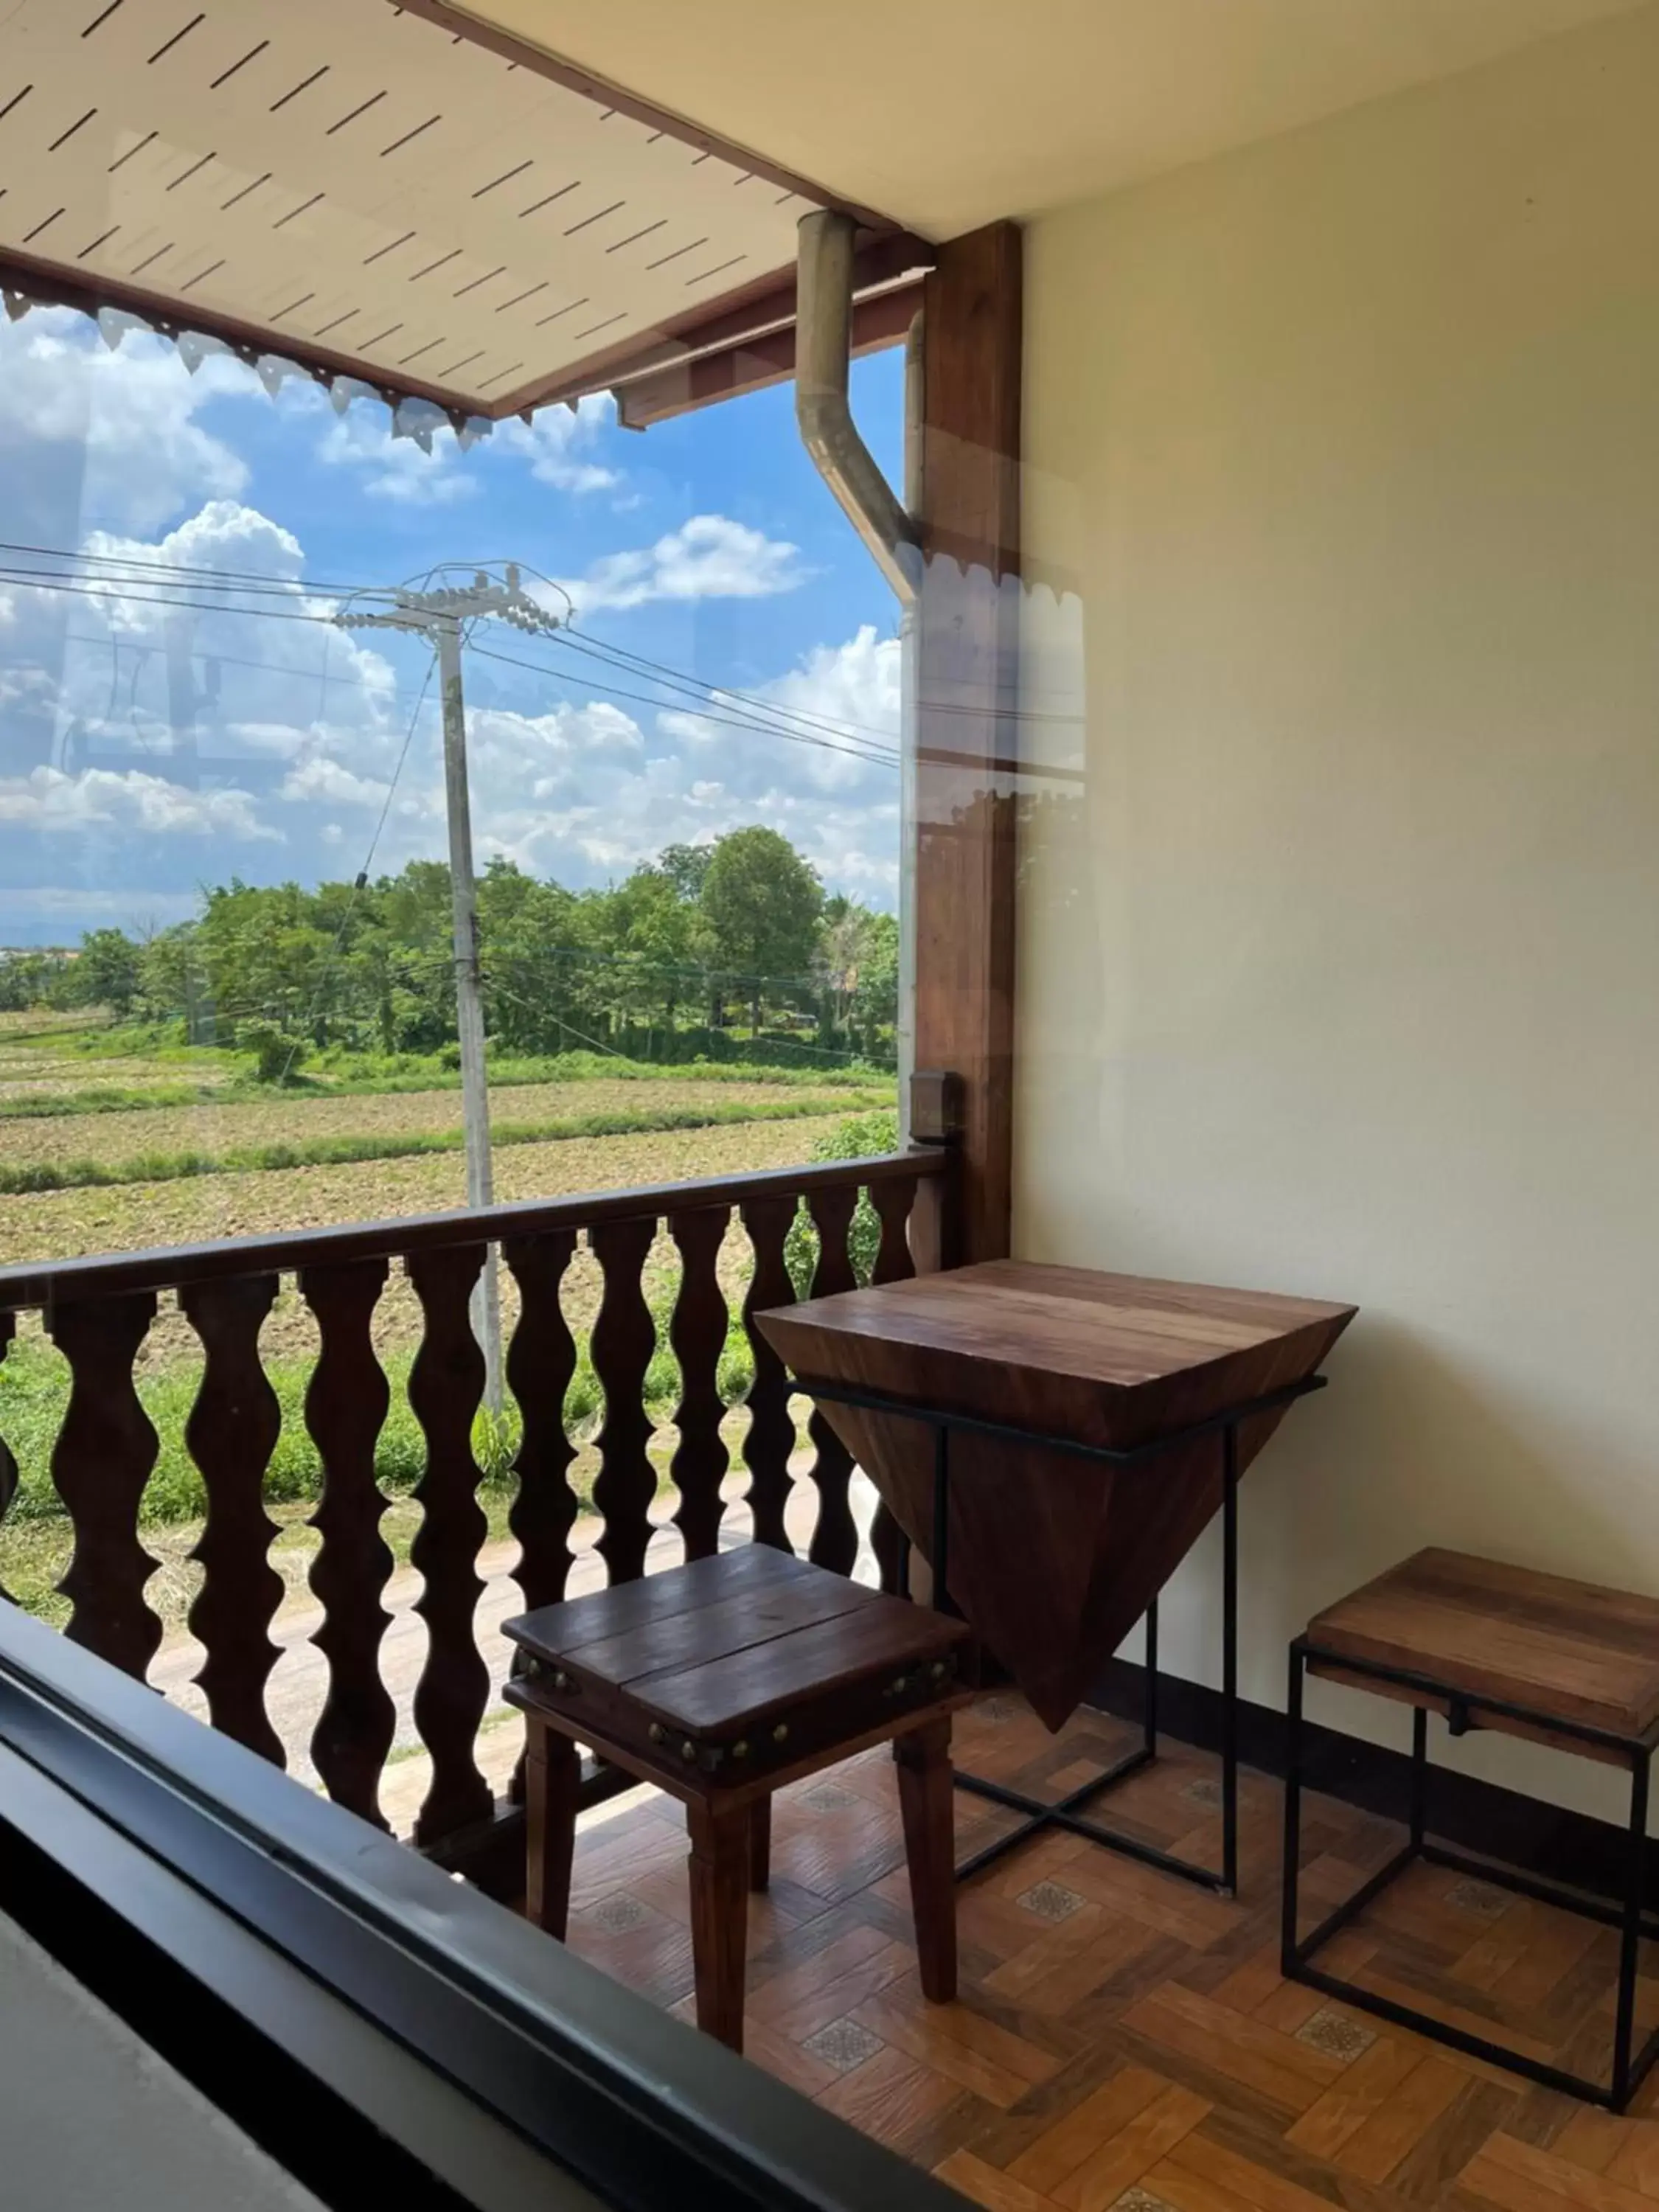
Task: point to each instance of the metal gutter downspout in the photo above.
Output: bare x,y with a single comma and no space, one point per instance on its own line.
824,338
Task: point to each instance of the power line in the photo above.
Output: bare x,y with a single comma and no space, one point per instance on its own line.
143,579
133,598
725,722
701,693
606,649
174,567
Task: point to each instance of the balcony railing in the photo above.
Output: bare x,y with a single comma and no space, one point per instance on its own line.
99,1313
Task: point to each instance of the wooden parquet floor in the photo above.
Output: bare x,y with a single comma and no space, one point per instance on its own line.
1124,2039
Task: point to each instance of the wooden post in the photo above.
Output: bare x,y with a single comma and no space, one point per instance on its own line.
967,731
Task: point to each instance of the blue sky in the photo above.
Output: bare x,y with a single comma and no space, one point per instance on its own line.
708,544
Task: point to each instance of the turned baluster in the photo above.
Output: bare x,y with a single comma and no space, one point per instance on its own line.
8,1464
771,1434
100,1463
446,1388
231,1433
892,1202
540,1361
624,1338
345,1410
836,1539
697,1333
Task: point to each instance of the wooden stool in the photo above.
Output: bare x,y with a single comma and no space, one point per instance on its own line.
1564,1663
721,1682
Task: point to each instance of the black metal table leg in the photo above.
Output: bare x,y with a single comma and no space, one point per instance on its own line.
1291,1868
1630,1936
1229,1883
1419,1774
1065,1813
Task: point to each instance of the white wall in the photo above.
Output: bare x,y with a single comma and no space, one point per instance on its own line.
89,2116
1340,977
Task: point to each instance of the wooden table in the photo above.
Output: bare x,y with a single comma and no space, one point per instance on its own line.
1056,1439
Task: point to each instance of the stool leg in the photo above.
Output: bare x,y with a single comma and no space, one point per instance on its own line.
719,1917
760,1842
925,1800
552,1774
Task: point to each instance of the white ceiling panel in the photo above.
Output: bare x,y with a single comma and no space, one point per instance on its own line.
347,180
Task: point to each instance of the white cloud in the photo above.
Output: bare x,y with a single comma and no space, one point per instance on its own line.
552,445
325,780
222,535
130,412
551,442
396,468
709,557
272,703
50,802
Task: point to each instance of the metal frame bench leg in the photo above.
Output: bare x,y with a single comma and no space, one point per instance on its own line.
1296,1953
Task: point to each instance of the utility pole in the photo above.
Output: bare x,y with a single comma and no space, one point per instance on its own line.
444,617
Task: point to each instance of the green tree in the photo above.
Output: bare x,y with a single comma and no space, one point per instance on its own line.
30,979
106,973
686,867
761,902
653,934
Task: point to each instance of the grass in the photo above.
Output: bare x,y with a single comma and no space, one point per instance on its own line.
37,1175
60,1225
394,1074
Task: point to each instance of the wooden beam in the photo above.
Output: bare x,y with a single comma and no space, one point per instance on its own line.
754,310
967,639
754,363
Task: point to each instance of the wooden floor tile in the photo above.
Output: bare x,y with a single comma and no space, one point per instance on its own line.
985,2185
1369,2085
1401,2120
1075,2138
1523,2179
1286,2074
931,2034
1243,2178
891,2097
1132,2151
1118,2030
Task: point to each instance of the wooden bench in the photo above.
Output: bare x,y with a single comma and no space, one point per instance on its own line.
720,1682
1488,1646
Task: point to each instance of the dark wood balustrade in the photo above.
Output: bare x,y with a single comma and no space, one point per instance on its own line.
99,1312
